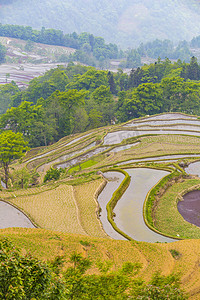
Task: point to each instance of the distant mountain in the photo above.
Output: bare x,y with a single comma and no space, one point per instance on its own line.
124,22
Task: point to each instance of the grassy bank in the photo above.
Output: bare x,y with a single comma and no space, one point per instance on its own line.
167,218
115,198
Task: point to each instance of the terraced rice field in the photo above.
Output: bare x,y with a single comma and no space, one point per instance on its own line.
54,209
175,134
62,207
85,196
72,151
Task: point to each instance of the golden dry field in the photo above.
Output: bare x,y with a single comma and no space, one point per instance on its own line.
55,209
88,206
61,207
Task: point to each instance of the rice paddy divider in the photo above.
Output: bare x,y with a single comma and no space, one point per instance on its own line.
153,156
61,152
115,198
150,201
86,152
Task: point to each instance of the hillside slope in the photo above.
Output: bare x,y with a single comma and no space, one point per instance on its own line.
124,22
156,257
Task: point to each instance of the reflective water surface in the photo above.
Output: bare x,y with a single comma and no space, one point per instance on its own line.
193,168
129,209
12,217
117,137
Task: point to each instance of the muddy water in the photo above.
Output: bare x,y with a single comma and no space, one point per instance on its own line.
129,209
189,208
12,217
117,137
193,168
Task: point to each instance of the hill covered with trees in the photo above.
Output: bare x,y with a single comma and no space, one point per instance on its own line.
124,22
77,98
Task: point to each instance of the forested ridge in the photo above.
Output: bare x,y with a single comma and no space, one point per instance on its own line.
125,22
78,98
93,50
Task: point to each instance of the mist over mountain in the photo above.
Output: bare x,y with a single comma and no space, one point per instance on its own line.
124,22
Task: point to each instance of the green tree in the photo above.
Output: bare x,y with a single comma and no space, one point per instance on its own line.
69,100
2,53
25,277
7,92
21,178
52,174
12,146
159,288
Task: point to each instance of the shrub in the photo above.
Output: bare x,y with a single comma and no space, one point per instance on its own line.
52,174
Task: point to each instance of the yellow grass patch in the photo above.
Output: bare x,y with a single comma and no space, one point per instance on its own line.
154,257
87,204
54,209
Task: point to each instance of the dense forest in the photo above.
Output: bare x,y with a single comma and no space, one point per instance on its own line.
92,50
78,98
125,22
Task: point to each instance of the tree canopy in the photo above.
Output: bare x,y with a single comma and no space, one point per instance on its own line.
12,146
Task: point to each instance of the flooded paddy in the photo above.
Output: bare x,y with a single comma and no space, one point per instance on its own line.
68,156
117,137
163,158
79,159
164,122
168,116
129,209
23,73
105,196
193,168
12,217
189,208
61,146
184,127
123,148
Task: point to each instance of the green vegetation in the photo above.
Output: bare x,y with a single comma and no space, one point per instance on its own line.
82,166
119,21
2,53
150,202
173,223
89,49
12,146
52,174
25,277
176,254
115,198
69,100
77,98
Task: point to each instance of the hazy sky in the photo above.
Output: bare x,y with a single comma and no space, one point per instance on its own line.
126,22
